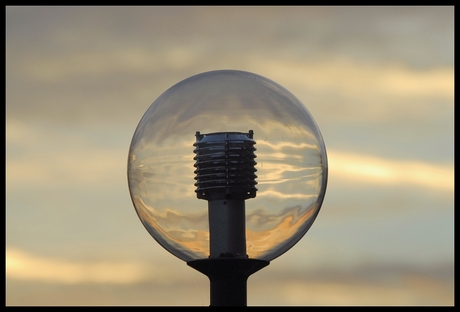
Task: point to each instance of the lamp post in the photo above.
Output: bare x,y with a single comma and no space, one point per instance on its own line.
243,227
225,177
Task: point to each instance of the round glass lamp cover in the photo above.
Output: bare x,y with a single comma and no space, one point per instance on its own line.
291,162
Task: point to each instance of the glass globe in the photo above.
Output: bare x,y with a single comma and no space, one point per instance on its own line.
291,162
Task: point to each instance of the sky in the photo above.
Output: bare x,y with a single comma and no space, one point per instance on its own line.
377,80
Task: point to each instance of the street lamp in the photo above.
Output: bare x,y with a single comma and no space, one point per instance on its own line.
250,149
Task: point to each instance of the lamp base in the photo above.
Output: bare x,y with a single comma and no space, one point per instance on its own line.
228,278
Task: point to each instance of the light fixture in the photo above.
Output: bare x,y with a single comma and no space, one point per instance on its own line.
249,148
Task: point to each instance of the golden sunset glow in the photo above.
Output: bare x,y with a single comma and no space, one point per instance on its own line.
378,82
371,169
24,266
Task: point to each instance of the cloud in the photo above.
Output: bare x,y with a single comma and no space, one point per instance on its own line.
347,76
22,265
40,155
75,166
106,63
360,79
82,164
374,284
379,170
348,292
76,160
363,282
25,266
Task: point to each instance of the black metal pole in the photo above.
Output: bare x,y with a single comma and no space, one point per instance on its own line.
225,174
228,278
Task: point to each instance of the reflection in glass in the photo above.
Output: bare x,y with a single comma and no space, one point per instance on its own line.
291,162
